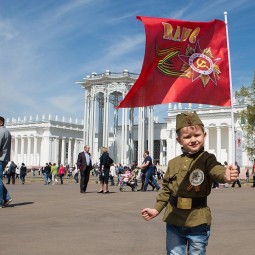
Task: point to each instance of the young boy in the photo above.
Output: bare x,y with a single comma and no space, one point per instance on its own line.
186,185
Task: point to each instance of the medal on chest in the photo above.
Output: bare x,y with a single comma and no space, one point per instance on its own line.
196,178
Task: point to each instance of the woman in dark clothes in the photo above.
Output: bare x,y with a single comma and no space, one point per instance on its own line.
23,173
104,170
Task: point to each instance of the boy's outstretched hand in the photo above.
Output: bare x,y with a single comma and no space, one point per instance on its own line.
231,173
149,213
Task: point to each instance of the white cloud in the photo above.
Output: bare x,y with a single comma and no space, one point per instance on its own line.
7,31
71,6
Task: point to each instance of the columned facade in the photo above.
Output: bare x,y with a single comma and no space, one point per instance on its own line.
38,142
218,127
103,92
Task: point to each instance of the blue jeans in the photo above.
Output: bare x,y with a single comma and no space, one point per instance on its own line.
192,239
149,176
46,178
4,194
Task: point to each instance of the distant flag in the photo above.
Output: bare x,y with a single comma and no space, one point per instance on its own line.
184,62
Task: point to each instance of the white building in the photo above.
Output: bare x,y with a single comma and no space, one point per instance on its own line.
42,140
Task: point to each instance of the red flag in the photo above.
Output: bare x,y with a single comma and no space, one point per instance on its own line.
184,62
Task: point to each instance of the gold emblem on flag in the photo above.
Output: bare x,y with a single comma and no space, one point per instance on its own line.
197,64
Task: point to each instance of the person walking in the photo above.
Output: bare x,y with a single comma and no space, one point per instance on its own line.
149,171
17,173
105,163
47,171
119,172
54,173
76,174
23,173
247,175
84,164
11,173
186,185
61,173
112,174
237,181
5,151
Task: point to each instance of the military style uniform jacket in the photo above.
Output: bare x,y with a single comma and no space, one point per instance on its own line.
189,177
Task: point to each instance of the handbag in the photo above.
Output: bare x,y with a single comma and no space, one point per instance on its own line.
109,161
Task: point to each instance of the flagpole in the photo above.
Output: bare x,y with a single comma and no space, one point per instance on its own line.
231,94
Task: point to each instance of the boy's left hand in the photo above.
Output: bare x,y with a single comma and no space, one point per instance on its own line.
231,173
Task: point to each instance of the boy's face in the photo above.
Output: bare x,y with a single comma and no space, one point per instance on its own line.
191,138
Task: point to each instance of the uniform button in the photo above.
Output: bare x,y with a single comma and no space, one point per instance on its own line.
184,166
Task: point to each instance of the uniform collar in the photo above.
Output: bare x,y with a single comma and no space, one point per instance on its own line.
192,155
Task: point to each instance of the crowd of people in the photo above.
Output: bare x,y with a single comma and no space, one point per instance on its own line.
117,174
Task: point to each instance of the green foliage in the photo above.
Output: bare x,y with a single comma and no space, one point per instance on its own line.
246,95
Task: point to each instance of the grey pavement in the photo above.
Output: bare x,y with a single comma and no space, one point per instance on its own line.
46,219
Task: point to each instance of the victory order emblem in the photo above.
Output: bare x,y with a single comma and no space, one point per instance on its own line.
196,178
200,64
197,63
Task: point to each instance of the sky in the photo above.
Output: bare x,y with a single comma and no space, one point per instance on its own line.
46,46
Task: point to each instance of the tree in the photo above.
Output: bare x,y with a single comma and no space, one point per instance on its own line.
246,95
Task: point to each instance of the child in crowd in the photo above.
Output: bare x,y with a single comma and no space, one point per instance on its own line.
125,176
186,185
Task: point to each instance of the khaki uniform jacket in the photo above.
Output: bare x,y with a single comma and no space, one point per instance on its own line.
176,182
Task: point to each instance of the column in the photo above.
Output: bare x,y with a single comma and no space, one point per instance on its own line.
115,126
107,121
29,151
69,160
151,131
50,142
173,142
75,151
91,120
16,149
100,126
22,149
86,118
125,137
169,145
122,135
207,139
35,151
63,151
56,159
162,150
131,138
230,146
218,151
92,141
141,129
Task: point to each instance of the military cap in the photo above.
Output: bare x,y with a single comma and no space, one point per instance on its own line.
187,119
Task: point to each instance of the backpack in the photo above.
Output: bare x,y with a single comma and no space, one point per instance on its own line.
109,161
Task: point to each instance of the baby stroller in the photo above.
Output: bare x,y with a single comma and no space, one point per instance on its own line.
131,182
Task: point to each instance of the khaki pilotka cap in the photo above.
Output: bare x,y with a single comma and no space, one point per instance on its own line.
187,119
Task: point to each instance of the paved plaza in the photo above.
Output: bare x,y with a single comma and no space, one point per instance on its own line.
46,219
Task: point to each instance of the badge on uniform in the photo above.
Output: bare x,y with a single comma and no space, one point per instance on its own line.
196,178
